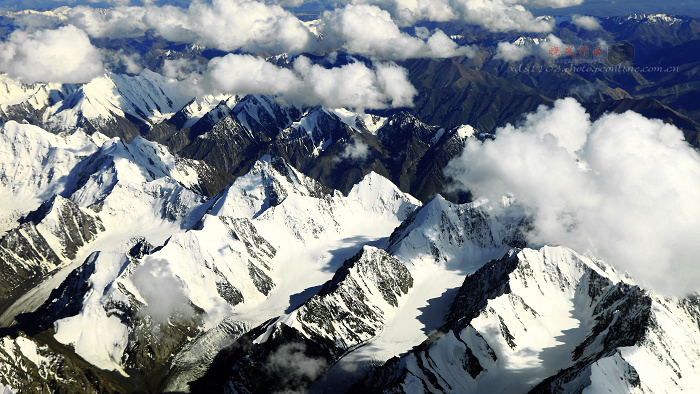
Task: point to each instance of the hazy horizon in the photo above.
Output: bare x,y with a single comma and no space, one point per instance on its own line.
588,7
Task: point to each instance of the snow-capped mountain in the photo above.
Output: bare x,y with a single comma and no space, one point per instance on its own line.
336,146
230,243
46,239
66,194
650,18
262,247
115,104
551,320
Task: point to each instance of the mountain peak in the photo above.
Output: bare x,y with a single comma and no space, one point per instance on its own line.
267,184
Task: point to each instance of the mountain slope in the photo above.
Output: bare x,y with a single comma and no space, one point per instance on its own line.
550,312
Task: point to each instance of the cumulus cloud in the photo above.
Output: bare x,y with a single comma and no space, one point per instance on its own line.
248,74
117,22
62,55
254,26
354,151
512,52
347,28
222,24
182,68
230,25
353,85
16,5
586,22
496,15
120,61
163,292
624,188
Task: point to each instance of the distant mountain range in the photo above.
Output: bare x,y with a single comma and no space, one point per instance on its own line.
152,241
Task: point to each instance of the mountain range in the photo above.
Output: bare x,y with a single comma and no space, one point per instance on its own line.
153,241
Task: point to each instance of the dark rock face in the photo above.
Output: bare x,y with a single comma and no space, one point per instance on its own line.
64,301
25,253
343,311
19,246
278,356
73,226
286,361
487,283
622,314
55,370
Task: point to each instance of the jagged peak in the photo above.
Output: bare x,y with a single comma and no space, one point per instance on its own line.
382,196
455,234
403,119
369,260
651,18
406,125
47,207
267,184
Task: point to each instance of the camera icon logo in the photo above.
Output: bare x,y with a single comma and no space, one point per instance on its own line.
620,52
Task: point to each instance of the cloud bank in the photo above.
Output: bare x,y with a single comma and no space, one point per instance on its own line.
347,28
513,52
624,188
353,85
495,15
62,55
255,27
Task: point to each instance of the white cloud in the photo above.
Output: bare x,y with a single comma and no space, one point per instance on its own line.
248,74
545,3
117,22
496,15
347,28
62,55
512,52
625,188
162,290
586,22
121,61
354,151
222,24
181,68
354,85
230,25
350,86
256,27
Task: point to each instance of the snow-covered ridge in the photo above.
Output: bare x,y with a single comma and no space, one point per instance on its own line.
650,18
455,235
351,308
522,41
36,165
229,262
148,97
104,102
557,318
